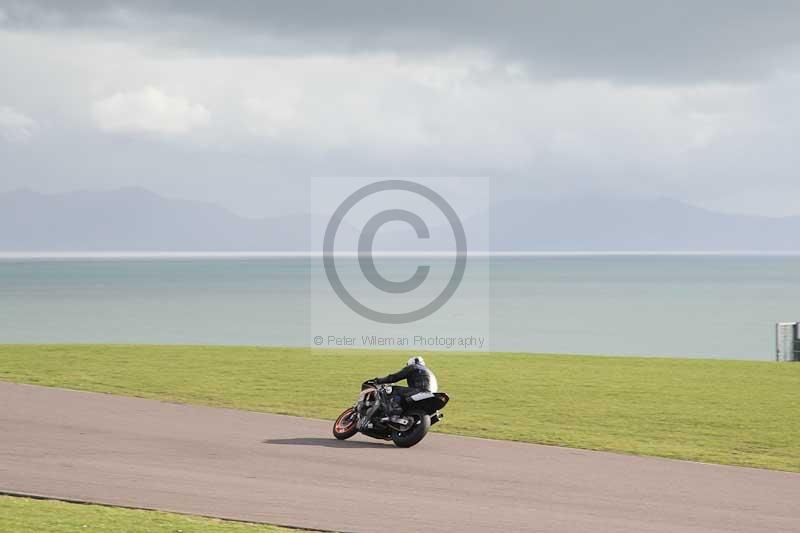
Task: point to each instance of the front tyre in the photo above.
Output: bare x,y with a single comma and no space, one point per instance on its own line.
346,425
407,439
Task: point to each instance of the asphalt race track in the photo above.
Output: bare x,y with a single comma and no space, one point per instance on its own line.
286,470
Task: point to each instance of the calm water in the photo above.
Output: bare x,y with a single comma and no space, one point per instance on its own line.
711,306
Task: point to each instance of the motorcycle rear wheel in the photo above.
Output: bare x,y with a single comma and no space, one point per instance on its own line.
407,439
346,425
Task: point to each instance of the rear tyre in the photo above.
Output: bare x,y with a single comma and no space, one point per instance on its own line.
407,439
346,425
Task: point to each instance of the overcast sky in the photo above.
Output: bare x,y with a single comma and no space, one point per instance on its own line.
241,103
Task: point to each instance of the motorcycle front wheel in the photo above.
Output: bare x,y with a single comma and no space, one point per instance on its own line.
346,425
407,439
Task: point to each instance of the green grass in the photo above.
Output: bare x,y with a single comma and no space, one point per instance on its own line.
731,412
23,515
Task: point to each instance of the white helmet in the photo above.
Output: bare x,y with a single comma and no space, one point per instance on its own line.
416,360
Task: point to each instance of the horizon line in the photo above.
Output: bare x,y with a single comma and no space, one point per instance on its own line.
122,254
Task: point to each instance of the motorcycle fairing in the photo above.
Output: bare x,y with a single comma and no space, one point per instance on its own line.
430,402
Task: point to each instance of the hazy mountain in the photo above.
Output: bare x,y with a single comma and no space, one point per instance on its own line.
611,222
134,219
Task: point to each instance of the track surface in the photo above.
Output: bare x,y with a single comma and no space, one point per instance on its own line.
287,470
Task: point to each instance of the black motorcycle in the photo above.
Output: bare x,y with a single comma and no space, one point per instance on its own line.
369,416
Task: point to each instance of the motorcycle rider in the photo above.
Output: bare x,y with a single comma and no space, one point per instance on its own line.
419,378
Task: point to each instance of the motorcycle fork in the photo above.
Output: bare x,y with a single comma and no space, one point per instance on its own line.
370,412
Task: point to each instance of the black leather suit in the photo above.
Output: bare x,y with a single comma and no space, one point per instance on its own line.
419,378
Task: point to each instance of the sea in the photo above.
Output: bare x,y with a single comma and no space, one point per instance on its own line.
649,304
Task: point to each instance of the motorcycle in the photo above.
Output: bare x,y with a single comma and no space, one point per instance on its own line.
369,416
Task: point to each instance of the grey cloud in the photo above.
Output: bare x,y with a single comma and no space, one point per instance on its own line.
60,60
626,41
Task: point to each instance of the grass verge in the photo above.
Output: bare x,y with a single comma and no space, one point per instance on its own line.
729,412
27,515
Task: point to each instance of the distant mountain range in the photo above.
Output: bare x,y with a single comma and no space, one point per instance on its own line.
625,223
135,219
